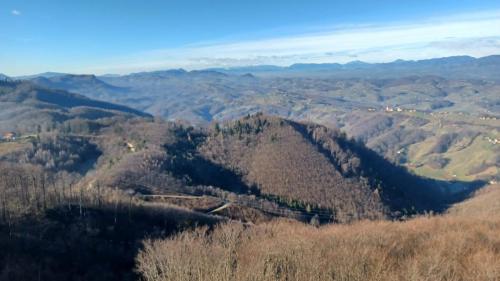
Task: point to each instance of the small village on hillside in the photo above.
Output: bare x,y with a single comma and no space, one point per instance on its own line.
8,136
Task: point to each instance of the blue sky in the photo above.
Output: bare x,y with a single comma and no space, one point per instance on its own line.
126,36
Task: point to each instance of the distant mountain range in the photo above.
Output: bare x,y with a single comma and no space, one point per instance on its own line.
44,74
297,91
4,77
301,91
407,111
449,67
465,67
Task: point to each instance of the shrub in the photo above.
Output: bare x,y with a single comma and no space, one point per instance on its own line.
438,248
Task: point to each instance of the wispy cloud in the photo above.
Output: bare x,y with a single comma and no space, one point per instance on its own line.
475,34
15,12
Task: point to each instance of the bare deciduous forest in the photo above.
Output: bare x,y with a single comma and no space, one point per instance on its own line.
249,141
427,248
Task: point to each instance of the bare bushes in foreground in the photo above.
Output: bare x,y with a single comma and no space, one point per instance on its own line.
439,248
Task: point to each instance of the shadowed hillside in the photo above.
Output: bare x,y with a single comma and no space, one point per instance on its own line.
311,165
25,106
484,203
84,84
461,245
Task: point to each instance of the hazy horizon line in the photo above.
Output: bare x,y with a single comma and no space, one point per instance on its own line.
241,66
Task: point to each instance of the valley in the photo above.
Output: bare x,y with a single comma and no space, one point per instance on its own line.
257,140
403,118
219,162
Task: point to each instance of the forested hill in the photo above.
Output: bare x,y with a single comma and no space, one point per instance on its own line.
24,105
97,187
315,165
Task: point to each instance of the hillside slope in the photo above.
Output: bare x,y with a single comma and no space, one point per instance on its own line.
202,96
25,106
101,192
312,165
259,160
446,145
88,85
484,203
436,248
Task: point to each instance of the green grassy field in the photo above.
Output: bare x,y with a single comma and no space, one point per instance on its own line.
468,159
